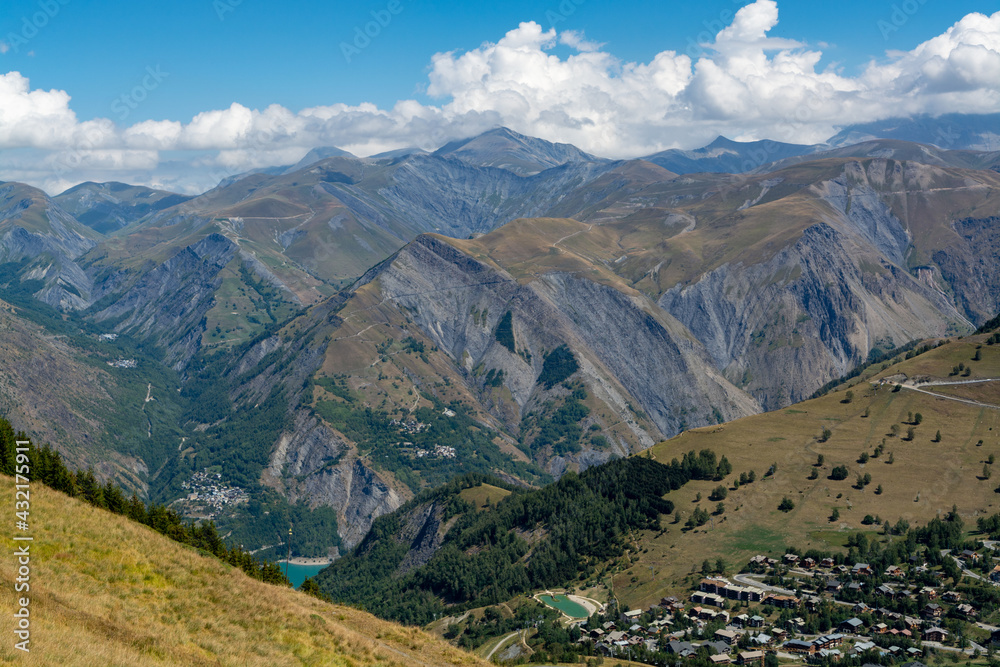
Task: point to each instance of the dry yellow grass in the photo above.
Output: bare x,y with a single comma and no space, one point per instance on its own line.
106,591
483,494
925,478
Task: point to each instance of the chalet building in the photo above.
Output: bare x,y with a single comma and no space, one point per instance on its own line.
726,589
933,610
761,640
951,596
812,602
790,559
745,593
712,585
995,574
826,655
808,563
894,571
851,625
717,647
799,646
756,622
683,649
709,614
966,610
783,601
935,634
862,647
969,556
828,641
827,562
707,598
833,586
861,570
887,591
929,591
727,636
750,658
720,659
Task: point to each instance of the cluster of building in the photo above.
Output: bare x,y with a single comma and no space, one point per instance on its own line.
410,426
746,638
208,495
439,451
123,363
107,337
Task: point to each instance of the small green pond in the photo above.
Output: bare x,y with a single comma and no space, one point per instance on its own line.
565,605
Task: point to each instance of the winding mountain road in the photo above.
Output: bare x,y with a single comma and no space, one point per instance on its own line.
968,401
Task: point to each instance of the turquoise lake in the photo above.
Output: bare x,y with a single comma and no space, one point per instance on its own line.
299,573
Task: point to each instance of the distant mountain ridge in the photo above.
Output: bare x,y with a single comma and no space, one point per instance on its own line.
975,132
520,154
727,156
108,207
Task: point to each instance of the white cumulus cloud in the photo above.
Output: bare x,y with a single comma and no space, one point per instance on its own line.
747,83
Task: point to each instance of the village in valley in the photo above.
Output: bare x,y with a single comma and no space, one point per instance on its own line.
822,609
207,495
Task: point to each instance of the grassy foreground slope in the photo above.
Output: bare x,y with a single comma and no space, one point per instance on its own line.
919,478
108,591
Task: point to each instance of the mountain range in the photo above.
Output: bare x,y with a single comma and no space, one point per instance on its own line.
345,332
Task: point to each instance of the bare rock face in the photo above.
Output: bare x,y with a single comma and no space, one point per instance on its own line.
970,267
629,350
169,302
811,313
309,465
34,228
422,531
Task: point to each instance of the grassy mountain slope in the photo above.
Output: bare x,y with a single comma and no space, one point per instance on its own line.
56,380
108,591
924,476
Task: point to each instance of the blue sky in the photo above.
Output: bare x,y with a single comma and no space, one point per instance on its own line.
128,63
259,53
